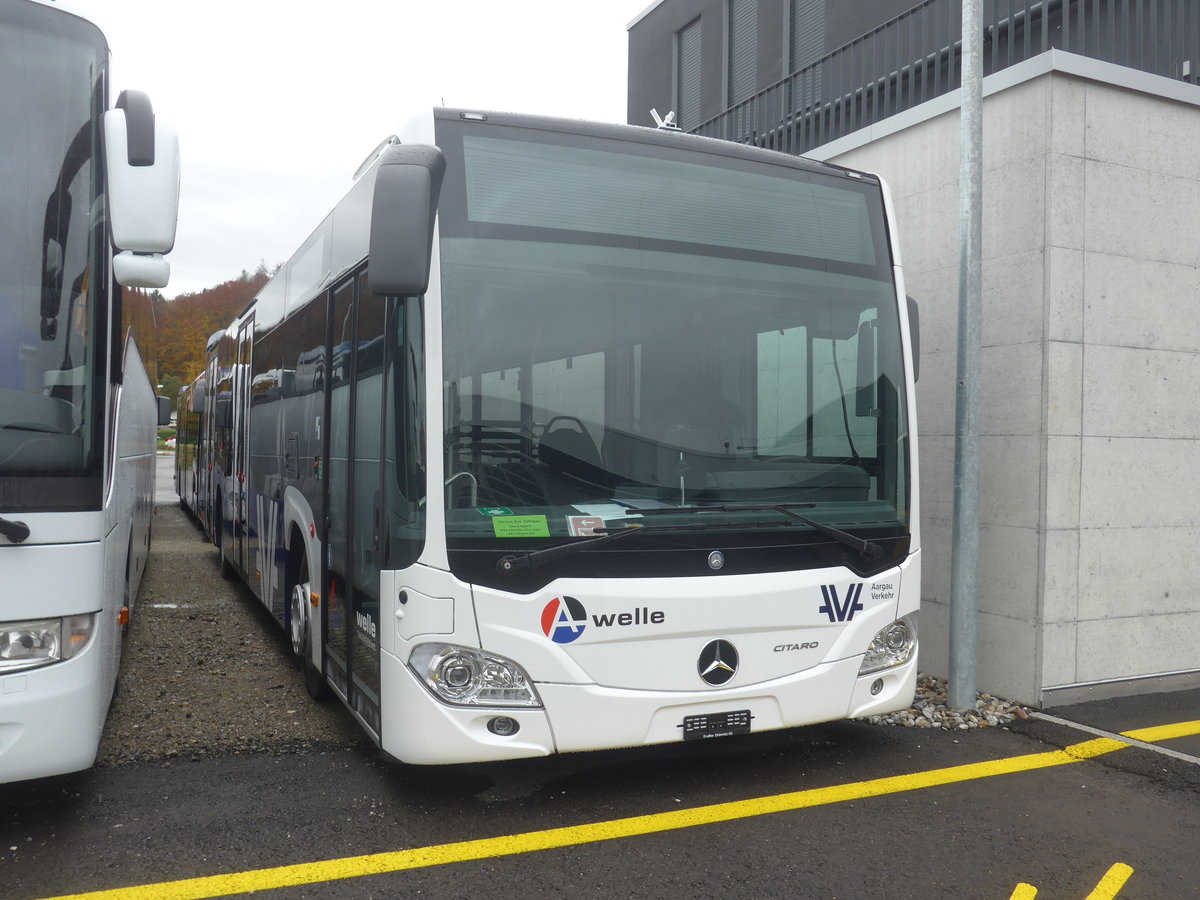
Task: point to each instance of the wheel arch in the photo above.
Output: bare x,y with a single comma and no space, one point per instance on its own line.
301,546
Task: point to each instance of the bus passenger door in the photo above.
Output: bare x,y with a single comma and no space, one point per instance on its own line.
354,543
241,439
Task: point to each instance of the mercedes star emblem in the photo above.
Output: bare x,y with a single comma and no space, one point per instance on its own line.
718,662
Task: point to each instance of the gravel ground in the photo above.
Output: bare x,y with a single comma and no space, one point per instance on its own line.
929,710
207,672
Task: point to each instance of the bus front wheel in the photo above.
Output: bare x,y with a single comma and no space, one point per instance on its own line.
301,634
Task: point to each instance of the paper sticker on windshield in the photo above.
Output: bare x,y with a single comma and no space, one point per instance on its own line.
493,511
584,526
520,526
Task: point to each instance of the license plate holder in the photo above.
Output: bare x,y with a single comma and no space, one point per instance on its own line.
713,725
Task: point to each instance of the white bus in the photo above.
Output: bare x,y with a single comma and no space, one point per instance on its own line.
87,205
561,436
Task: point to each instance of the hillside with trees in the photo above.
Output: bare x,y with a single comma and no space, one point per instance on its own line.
183,325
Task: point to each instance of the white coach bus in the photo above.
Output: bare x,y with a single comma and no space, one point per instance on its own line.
560,436
88,197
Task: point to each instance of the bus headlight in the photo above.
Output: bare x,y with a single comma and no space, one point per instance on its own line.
462,676
25,645
893,646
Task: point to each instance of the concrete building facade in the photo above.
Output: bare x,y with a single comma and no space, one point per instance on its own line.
1091,436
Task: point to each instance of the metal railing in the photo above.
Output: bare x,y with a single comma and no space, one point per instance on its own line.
916,57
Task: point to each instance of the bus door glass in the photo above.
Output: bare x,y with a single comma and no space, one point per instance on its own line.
242,439
337,465
354,539
366,539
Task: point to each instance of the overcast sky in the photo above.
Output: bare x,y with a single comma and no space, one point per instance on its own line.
277,103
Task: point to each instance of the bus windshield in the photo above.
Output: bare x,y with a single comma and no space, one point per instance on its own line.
50,274
632,332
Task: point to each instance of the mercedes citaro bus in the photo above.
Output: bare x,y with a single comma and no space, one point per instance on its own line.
560,436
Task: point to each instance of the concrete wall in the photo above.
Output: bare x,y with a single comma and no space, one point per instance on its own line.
1091,354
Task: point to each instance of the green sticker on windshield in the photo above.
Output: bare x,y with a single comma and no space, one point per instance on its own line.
520,526
493,510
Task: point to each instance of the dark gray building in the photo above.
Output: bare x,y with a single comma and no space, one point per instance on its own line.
795,74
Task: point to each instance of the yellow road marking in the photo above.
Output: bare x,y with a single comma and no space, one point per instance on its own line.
1110,885
1112,882
486,848
1164,732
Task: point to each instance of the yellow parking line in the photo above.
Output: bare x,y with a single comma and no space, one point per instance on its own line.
1164,732
1108,888
464,851
1112,882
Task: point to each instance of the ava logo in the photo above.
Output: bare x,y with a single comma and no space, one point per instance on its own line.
563,619
841,610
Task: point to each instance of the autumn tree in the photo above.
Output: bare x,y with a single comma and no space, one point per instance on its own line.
185,324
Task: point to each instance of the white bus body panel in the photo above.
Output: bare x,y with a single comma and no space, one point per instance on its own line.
618,685
51,716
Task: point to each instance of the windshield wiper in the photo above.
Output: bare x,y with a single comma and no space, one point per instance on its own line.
869,549
513,562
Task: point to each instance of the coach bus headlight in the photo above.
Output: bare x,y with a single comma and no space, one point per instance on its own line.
463,676
893,646
24,645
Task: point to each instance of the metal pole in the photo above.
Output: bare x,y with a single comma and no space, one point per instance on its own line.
964,570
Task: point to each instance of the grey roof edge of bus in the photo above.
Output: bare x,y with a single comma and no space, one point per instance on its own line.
646,135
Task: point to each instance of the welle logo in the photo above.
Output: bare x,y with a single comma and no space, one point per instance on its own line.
564,619
841,609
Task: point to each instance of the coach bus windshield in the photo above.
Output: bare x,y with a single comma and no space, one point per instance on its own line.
639,335
50,272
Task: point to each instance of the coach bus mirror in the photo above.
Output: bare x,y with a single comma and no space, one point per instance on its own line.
914,334
164,411
864,401
142,166
407,185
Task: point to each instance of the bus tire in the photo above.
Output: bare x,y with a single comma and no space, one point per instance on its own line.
300,633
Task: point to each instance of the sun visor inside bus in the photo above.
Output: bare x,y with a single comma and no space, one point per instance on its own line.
406,196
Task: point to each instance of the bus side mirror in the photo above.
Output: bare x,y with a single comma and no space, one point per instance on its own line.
407,185
914,335
164,411
142,166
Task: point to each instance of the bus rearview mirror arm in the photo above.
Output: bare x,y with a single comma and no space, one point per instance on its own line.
407,186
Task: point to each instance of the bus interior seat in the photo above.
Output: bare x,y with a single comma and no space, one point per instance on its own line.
573,460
